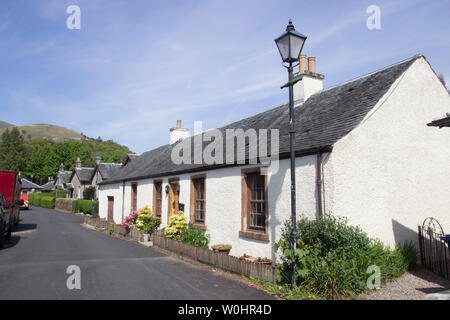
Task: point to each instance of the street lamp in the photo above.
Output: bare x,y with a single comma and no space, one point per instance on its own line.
290,45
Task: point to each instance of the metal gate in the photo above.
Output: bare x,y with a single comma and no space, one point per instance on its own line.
434,251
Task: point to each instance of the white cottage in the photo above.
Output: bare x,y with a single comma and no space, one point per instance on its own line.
363,151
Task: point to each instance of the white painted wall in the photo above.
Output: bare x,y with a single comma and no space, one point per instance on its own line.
387,175
223,202
392,171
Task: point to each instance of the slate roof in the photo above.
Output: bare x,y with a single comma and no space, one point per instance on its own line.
65,176
27,184
107,170
83,174
49,186
321,121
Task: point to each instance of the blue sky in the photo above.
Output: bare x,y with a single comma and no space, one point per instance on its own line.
135,67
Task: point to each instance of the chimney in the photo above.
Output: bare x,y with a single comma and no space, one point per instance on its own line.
178,133
78,163
61,167
98,160
303,62
311,82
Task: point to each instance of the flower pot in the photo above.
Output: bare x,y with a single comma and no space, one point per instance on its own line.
225,251
146,237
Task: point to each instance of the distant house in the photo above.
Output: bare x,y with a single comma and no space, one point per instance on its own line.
28,186
103,172
362,150
48,187
80,179
63,178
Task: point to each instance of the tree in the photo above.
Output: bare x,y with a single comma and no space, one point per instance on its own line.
13,155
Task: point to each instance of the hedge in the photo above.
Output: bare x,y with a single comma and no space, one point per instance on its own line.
84,206
46,200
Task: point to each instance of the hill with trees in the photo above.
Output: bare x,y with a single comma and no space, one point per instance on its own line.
39,158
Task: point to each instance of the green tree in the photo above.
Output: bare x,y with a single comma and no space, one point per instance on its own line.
14,154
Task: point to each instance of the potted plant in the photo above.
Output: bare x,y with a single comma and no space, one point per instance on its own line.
264,260
222,248
147,223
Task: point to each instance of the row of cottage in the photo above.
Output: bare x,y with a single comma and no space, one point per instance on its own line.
77,180
363,151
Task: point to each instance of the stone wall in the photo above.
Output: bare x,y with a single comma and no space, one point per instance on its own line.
64,205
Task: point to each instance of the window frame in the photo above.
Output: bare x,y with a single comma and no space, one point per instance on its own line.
246,194
193,202
155,198
133,195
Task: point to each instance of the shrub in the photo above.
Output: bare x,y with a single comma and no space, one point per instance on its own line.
176,226
146,220
47,202
61,194
332,257
89,193
195,237
130,221
83,206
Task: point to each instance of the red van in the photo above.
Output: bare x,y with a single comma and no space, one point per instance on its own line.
10,187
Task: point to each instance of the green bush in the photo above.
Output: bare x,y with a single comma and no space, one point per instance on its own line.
47,202
83,206
89,193
332,257
61,194
195,237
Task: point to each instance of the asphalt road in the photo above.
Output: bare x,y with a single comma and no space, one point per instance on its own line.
34,262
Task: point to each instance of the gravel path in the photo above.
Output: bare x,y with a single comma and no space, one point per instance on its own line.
412,285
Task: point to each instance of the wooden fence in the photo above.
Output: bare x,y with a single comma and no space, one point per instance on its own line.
222,261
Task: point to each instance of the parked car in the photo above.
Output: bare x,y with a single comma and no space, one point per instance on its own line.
6,221
24,202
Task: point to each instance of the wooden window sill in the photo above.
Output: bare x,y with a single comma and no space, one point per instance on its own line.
198,226
255,235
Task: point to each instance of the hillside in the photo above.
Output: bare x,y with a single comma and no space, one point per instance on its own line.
4,124
53,132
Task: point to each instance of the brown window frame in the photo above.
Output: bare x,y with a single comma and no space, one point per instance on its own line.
155,197
246,193
193,201
134,194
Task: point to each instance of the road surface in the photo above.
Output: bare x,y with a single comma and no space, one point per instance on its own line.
34,262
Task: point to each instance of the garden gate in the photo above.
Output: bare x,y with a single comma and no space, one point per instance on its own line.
434,251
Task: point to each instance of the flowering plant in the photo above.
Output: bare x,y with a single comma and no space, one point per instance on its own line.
130,221
146,221
176,226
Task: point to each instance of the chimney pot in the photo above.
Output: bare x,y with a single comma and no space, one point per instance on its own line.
178,124
303,63
312,64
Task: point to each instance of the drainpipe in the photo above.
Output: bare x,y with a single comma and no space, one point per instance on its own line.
319,184
123,200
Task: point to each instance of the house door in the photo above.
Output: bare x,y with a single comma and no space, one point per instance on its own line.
174,186
111,209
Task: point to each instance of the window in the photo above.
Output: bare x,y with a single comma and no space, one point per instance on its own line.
257,202
198,201
157,197
254,205
134,197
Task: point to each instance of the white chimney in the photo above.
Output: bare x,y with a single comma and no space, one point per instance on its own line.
311,82
178,133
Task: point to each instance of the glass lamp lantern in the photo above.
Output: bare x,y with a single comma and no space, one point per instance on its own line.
290,44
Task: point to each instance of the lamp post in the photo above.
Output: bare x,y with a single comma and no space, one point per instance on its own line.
290,45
